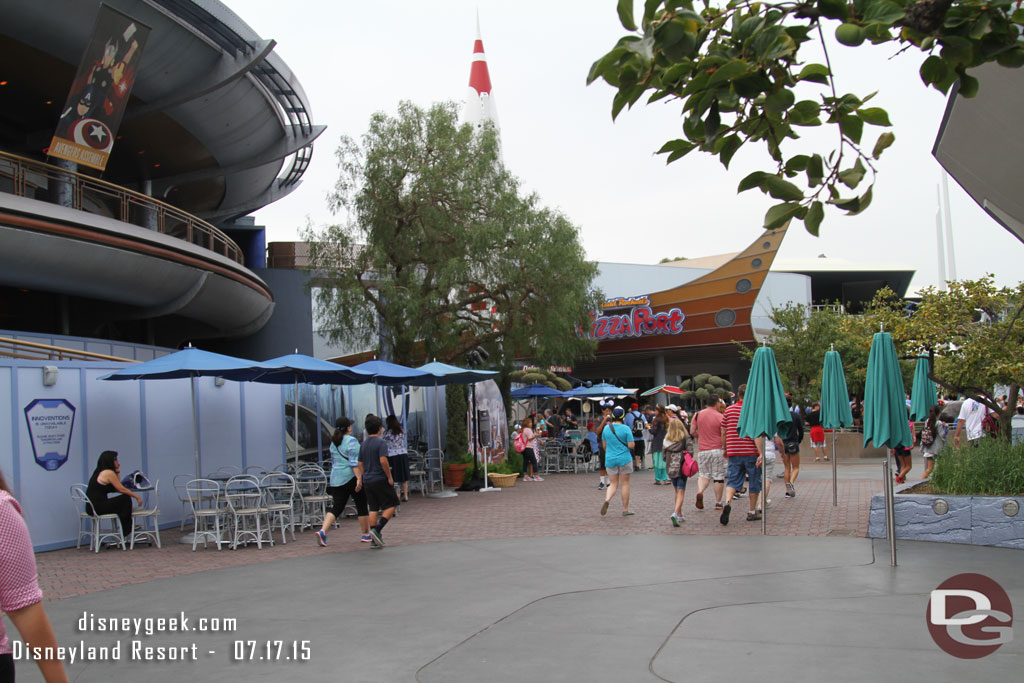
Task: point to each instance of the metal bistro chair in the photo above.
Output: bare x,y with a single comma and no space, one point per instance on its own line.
311,482
550,451
204,498
145,517
418,470
97,534
179,482
245,501
279,502
432,466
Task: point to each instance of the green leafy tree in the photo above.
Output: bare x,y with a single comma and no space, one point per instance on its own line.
440,251
973,333
800,337
456,405
737,70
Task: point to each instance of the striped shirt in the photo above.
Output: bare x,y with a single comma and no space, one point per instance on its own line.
734,443
19,585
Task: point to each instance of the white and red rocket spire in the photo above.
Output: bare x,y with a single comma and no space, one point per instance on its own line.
479,100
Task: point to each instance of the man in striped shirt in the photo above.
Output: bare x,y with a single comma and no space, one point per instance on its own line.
744,457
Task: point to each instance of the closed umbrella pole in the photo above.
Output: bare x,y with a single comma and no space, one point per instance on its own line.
835,408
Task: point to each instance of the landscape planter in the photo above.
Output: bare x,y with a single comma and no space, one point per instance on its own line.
975,520
454,475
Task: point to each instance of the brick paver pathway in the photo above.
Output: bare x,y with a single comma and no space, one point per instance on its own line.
562,505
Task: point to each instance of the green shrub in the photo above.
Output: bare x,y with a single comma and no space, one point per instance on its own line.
992,468
457,440
502,467
514,461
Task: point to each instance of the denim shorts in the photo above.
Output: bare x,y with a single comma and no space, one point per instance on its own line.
679,483
740,465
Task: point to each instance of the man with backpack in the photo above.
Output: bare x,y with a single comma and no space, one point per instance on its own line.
637,423
972,416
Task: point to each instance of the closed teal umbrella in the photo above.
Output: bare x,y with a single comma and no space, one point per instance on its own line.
765,410
885,403
923,395
835,408
835,400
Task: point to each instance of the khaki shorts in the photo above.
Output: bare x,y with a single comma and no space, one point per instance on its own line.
711,464
769,468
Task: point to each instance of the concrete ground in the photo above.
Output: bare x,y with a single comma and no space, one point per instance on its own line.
575,598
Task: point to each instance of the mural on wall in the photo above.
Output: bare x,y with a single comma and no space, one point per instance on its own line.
50,422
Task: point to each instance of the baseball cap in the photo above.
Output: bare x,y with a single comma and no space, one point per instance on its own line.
617,411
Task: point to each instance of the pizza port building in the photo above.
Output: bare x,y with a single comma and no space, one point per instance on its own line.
661,324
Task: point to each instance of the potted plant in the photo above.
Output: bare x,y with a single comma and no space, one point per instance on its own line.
455,469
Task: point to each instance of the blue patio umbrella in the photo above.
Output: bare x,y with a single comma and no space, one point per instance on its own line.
190,363
382,372
885,403
923,395
298,367
835,407
442,373
599,391
536,391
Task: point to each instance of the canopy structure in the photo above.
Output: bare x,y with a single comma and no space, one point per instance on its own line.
599,391
885,403
923,394
835,408
537,391
664,389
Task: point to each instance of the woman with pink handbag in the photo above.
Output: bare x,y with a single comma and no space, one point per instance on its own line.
679,464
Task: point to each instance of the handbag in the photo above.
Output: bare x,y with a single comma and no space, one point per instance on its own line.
689,467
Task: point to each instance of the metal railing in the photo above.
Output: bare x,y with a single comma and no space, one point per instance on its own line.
37,180
26,350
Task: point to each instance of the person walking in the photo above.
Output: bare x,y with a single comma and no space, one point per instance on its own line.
707,427
658,430
791,451
398,454
817,433
677,444
606,419
377,480
637,424
530,462
933,439
618,460
744,457
20,597
346,481
972,415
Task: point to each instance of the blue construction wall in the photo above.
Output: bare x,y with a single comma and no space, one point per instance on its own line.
149,423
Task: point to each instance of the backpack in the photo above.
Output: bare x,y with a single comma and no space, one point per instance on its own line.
520,443
990,424
927,437
136,480
690,466
638,424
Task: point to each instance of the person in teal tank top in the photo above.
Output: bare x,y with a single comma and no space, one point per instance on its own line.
346,480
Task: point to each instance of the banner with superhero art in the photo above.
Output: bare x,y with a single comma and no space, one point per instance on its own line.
88,123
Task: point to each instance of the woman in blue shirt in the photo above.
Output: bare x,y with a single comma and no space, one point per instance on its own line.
346,480
617,439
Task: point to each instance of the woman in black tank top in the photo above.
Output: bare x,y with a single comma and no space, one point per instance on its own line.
104,481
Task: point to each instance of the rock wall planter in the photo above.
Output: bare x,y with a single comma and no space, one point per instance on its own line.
975,520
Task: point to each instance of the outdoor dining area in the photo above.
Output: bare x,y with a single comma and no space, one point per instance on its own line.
238,505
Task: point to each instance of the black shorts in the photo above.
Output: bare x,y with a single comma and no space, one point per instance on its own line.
399,465
638,450
600,459
340,495
380,495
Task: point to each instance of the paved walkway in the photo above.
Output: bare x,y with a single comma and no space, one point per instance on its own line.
561,505
532,584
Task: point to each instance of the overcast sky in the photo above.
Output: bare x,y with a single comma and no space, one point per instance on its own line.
355,58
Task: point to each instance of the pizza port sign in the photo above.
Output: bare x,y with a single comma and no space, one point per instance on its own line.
622,318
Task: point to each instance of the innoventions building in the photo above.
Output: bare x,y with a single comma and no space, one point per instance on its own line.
136,138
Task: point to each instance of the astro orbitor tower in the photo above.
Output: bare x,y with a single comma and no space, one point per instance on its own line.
480,107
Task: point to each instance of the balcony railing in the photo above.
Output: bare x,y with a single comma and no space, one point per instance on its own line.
36,180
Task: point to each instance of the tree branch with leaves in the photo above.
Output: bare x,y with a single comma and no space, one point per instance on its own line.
737,71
